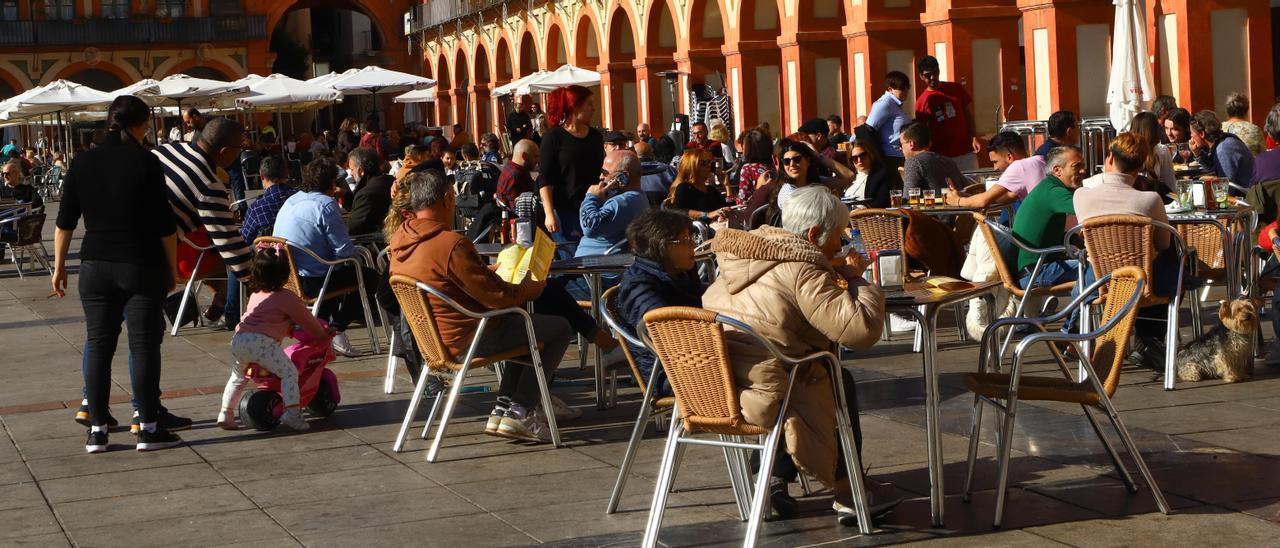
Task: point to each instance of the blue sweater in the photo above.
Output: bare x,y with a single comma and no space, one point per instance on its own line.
1229,158
647,286
605,222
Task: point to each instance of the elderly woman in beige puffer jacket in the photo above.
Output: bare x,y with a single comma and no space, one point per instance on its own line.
781,282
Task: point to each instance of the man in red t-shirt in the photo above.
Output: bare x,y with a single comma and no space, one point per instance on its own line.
948,109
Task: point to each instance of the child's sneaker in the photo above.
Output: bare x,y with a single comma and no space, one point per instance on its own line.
293,419
227,420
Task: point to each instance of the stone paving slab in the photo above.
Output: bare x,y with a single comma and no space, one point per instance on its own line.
1210,446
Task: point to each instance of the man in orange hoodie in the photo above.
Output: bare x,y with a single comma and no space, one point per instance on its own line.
427,249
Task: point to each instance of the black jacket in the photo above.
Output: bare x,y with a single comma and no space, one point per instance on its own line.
646,286
881,180
370,205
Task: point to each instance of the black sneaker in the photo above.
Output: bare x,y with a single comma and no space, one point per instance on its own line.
166,420
96,443
780,499
159,439
82,418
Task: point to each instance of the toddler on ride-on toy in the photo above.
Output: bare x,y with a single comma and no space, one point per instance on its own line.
271,313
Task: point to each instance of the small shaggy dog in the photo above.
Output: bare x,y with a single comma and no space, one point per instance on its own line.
1224,352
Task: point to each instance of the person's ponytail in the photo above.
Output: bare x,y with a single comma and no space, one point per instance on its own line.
126,111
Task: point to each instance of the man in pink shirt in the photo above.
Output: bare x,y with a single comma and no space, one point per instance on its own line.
1019,174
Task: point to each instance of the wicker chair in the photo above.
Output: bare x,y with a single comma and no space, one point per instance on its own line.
294,282
994,233
651,405
691,344
417,309
1125,287
193,283
1115,241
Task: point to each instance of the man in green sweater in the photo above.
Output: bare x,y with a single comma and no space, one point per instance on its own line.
1042,219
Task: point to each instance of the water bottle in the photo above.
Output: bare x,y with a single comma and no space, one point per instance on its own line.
855,239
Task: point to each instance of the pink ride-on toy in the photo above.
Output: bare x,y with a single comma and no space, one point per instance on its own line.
317,385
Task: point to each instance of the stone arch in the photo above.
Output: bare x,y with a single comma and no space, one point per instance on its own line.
586,50
216,67
556,53
503,61
481,81
529,62
708,23
661,36
444,93
66,72
759,20
815,15
623,108
386,17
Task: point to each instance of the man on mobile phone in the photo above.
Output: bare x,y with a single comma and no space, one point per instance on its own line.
610,205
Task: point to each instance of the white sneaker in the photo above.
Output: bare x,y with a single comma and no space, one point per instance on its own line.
530,428
564,412
613,357
901,324
227,420
293,419
1273,355
342,345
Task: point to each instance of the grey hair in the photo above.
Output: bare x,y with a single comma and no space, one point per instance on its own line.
1058,156
628,163
426,188
814,205
1272,127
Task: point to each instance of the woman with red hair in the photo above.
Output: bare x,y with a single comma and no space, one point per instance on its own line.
572,156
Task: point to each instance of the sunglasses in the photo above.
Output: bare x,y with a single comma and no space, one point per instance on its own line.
792,160
860,157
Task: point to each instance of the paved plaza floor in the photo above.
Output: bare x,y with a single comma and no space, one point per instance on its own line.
1211,446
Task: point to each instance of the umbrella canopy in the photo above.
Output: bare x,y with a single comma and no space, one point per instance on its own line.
285,93
510,87
180,87
375,79
417,96
567,75
326,79
55,97
1129,86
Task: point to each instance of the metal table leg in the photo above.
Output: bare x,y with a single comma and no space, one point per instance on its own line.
929,346
593,281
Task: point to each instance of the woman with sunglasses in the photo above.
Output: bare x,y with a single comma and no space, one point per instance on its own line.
874,179
801,166
691,193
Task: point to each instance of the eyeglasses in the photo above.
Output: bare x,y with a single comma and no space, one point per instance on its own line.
792,160
11,173
860,157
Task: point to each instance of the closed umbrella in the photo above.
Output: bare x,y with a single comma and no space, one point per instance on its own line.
567,75
1129,87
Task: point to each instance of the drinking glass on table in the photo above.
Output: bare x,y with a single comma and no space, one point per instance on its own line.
1220,194
895,198
913,197
1184,150
1184,193
929,196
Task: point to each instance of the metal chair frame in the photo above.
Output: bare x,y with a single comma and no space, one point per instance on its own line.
739,473
1000,231
35,251
1004,436
362,253
1175,301
194,282
463,367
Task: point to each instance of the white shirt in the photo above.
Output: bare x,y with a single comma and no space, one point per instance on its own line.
857,190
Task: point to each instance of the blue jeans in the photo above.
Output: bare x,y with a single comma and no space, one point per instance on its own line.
570,233
231,310
1051,273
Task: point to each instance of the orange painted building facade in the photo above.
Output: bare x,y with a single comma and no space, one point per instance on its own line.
785,61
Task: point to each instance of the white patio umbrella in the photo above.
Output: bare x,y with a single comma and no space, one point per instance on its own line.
567,75
281,92
375,80
145,89
509,88
326,79
1129,87
179,88
57,96
417,96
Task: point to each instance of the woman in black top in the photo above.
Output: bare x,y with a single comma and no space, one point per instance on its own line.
572,156
875,177
347,138
127,265
690,192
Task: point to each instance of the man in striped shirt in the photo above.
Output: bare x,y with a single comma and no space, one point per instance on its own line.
199,196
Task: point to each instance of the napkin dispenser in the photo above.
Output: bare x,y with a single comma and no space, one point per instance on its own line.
1197,194
889,269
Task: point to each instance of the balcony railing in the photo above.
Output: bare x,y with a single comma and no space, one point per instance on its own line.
434,13
225,28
